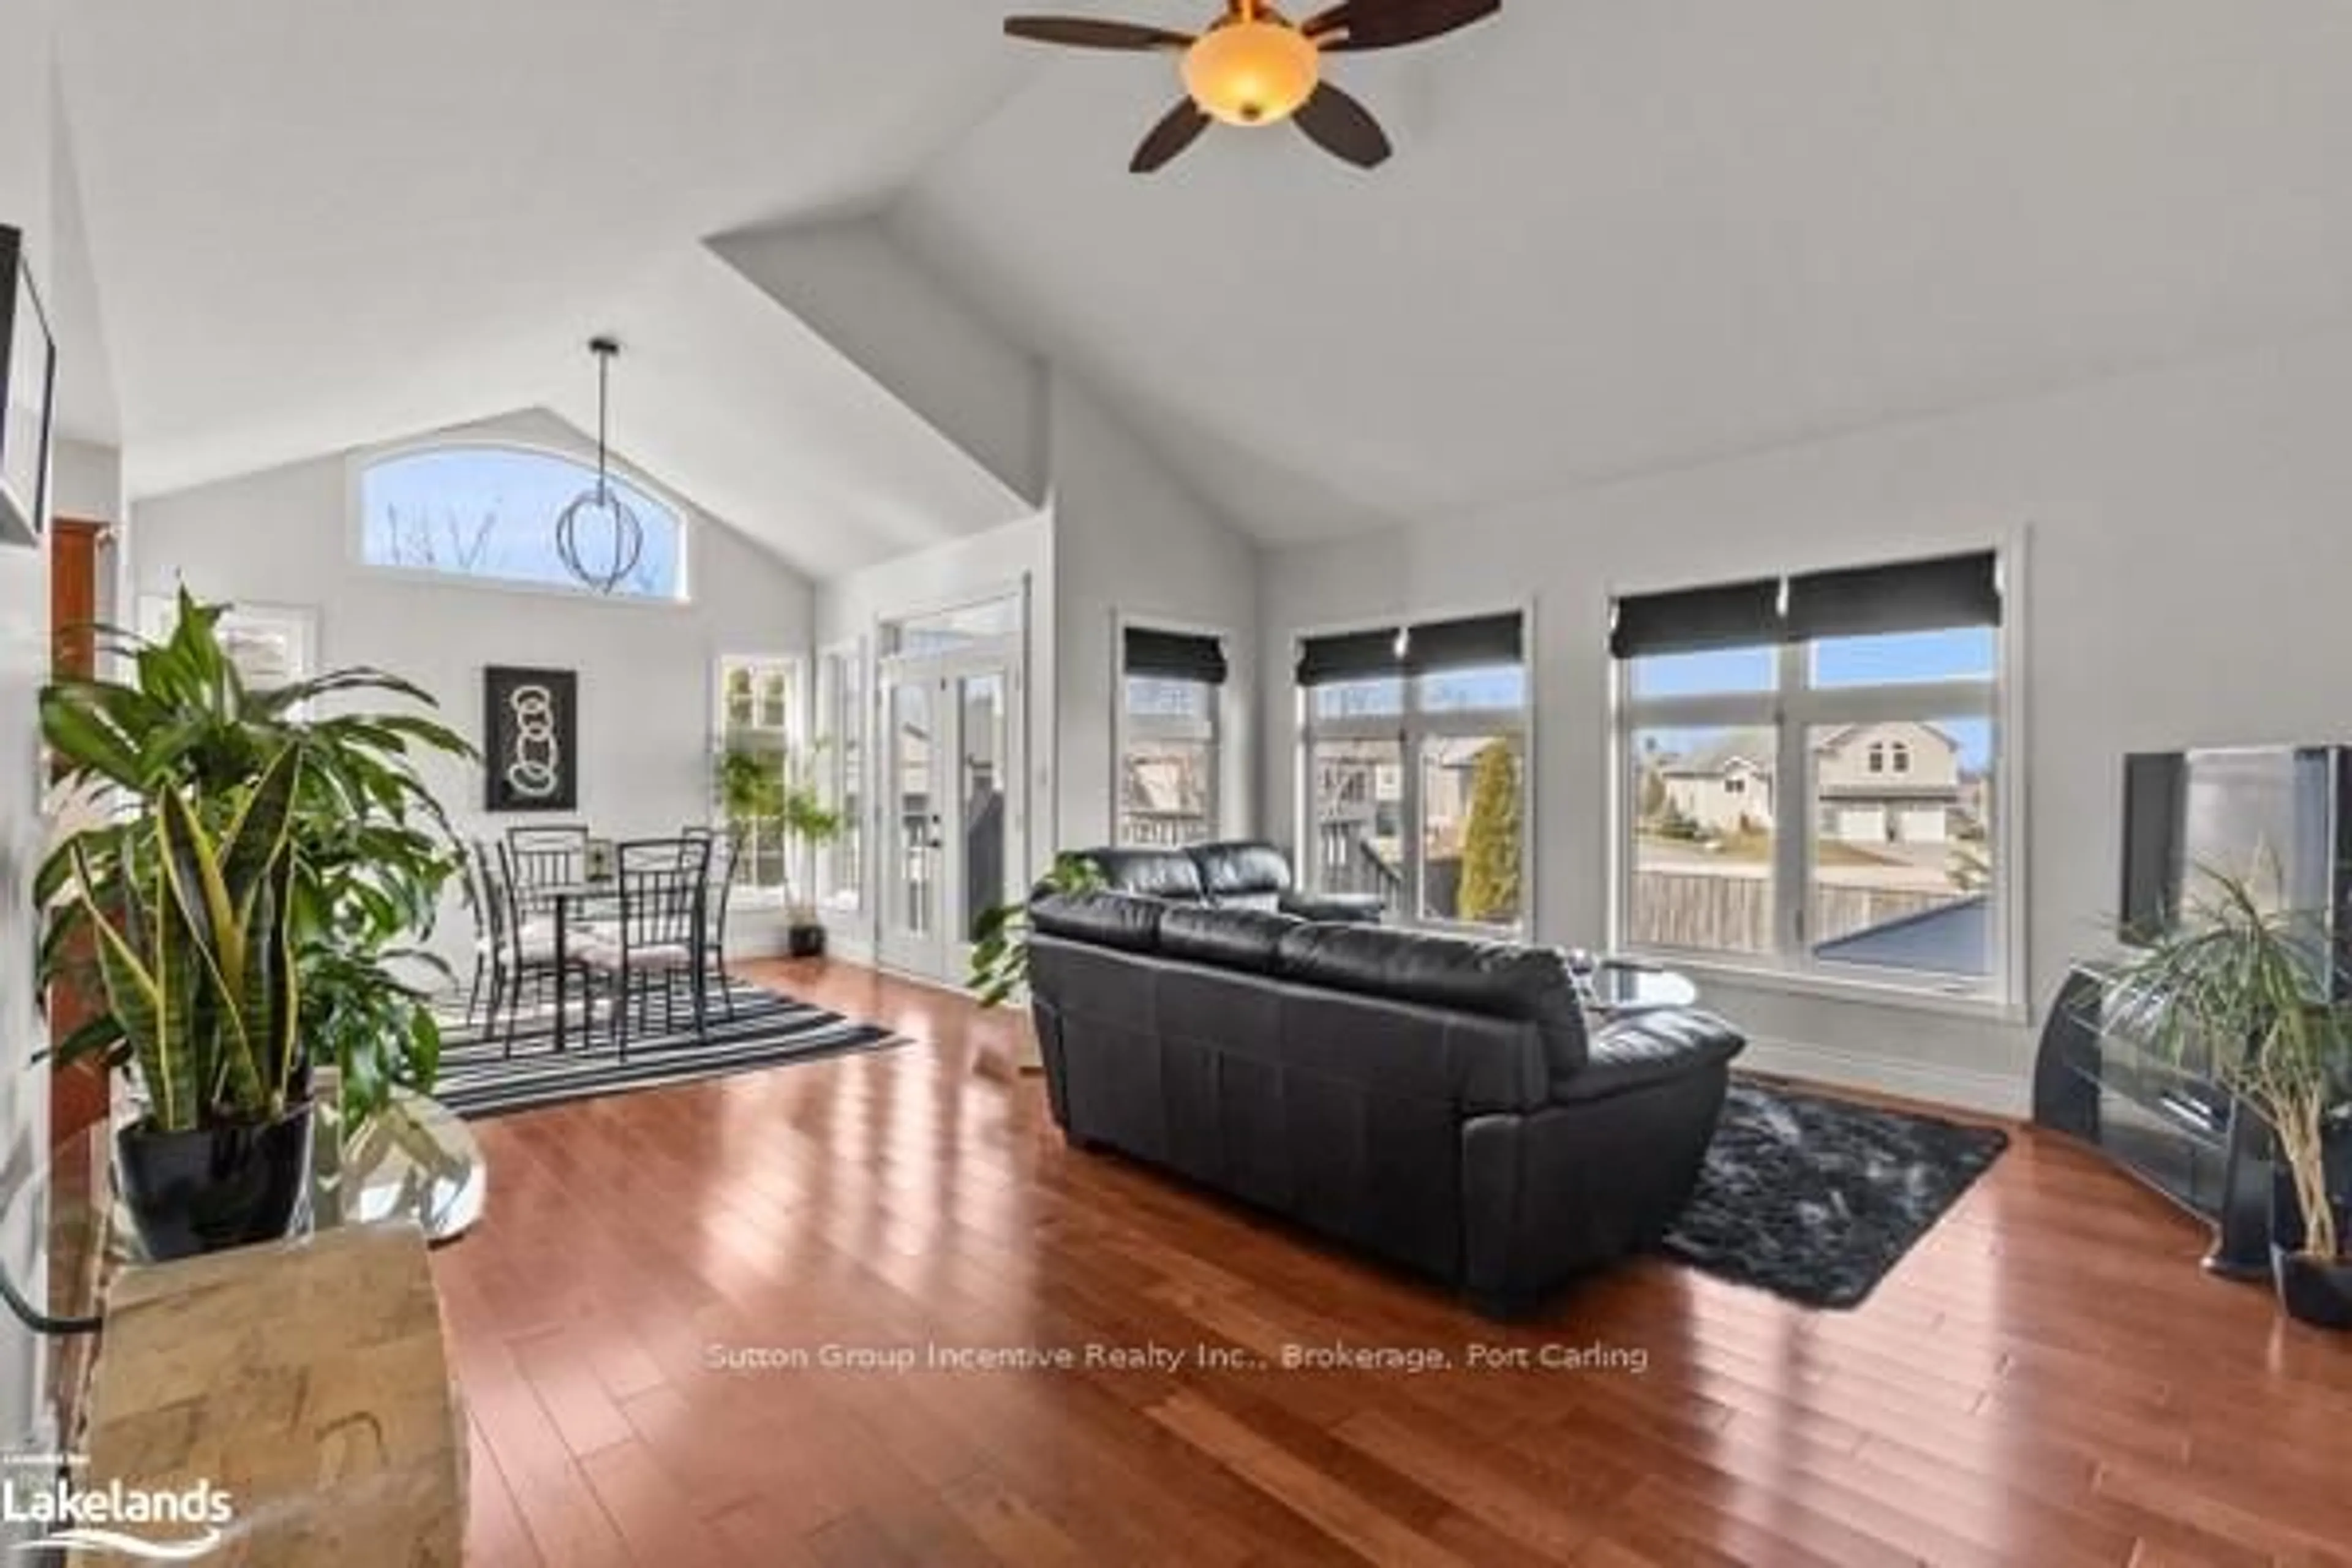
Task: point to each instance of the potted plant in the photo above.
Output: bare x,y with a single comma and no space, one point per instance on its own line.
769,787
183,750
2248,992
1000,950
195,956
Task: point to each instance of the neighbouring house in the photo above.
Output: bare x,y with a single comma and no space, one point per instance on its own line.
1724,789
1888,784
1895,782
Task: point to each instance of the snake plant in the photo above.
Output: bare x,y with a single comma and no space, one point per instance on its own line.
195,954
370,849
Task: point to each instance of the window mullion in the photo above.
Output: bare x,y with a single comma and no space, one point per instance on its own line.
1791,842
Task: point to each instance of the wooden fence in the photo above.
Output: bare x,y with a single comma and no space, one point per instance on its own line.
1711,913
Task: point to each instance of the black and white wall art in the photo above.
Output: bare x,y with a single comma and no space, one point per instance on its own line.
531,739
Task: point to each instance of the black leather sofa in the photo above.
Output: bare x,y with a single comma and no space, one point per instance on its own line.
1245,874
1436,1102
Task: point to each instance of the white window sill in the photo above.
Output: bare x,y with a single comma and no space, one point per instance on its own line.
1920,997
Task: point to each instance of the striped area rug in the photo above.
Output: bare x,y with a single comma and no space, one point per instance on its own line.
479,1078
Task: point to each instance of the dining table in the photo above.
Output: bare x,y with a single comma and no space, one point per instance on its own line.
569,905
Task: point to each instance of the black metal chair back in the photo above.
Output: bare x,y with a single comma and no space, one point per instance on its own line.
486,891
546,856
665,893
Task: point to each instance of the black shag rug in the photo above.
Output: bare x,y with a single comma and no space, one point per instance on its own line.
1816,1199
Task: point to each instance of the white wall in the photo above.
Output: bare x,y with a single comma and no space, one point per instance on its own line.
28,119
645,671
86,481
1130,540
1017,556
2187,561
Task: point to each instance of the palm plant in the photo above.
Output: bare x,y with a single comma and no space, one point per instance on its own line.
370,849
2246,990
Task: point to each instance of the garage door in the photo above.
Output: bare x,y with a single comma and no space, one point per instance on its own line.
1922,824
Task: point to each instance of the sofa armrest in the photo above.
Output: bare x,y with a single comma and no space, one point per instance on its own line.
1335,909
1649,1048
1551,1193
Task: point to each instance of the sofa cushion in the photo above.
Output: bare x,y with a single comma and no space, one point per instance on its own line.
1120,920
1230,939
1151,873
1241,872
1500,980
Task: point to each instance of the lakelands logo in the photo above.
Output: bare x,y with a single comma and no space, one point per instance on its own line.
152,1525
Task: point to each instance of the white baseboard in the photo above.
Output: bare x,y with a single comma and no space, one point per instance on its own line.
1964,1088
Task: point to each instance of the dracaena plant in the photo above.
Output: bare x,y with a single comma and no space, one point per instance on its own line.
2247,989
1000,950
192,952
371,849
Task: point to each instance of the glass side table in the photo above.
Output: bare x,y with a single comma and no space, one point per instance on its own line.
415,1160
1614,988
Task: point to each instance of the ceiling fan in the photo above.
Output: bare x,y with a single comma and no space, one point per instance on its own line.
1253,66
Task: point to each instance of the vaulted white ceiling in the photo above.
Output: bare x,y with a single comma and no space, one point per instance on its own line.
317,224
1620,234
1617,235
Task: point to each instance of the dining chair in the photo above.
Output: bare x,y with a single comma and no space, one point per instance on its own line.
546,855
725,852
661,935
521,949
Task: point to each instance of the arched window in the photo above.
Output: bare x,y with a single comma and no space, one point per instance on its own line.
1877,757
1902,755
488,513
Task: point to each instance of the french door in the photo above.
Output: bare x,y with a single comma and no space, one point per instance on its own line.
953,822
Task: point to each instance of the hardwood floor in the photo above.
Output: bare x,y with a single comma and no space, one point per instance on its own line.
2047,1380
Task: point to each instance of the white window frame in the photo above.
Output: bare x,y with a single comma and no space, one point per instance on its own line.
355,520
1412,728
1792,711
834,895
1128,728
793,728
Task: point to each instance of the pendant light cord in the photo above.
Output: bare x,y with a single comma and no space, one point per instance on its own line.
604,416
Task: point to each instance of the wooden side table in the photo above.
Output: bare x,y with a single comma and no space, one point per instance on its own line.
308,1382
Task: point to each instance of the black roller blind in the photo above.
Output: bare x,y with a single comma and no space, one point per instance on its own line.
1175,655
1470,644
1696,620
1950,592
1349,656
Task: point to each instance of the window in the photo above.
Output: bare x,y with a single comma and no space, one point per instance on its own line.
1879,731
488,513
1414,752
841,760
757,704
1171,684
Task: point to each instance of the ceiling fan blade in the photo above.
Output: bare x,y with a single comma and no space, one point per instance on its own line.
1385,24
1171,136
1084,33
1344,128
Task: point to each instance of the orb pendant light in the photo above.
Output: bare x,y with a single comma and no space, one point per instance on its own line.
598,538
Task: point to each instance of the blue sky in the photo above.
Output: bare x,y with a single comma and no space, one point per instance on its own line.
448,493
1894,660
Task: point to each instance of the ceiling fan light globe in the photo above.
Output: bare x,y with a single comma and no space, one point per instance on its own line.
1251,73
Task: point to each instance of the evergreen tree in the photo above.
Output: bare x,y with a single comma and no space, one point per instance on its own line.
1490,843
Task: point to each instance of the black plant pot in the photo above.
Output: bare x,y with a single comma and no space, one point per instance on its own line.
218,1187
2313,1290
805,942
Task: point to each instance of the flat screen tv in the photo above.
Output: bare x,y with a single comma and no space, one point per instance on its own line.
2278,817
